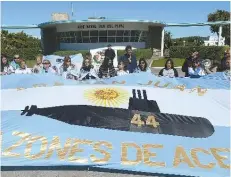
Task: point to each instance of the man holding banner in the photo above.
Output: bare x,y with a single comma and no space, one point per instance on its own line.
129,59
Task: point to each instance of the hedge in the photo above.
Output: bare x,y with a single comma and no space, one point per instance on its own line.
205,52
140,53
26,54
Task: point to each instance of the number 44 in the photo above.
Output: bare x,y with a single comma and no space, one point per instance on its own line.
151,120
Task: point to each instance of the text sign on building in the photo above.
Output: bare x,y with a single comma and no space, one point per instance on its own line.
101,26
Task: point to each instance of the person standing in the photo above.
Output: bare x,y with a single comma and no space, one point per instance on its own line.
129,59
110,53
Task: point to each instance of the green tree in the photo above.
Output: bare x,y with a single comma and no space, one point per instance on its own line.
220,15
19,43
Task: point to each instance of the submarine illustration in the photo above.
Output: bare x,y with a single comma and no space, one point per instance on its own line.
123,119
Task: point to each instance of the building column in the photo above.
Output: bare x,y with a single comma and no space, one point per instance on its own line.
219,35
162,43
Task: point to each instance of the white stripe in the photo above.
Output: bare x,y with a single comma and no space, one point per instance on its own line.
214,105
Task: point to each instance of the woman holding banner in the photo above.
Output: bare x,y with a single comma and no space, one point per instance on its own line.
87,70
107,70
67,69
142,67
168,70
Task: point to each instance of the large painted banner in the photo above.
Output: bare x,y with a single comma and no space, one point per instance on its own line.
138,122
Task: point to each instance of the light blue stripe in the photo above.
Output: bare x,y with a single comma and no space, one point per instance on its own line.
213,81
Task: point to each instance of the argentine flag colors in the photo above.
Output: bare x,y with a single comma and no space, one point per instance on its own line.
136,122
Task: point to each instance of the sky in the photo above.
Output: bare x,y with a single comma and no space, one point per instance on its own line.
35,12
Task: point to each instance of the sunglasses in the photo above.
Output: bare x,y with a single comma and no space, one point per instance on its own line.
46,63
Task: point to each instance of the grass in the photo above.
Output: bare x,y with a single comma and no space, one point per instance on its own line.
30,63
161,62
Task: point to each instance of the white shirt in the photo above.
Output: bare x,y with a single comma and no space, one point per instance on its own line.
197,72
121,73
23,71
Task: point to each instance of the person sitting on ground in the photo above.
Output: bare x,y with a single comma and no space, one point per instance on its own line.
38,66
5,66
195,69
67,69
121,69
129,59
15,64
142,66
107,70
47,67
87,70
23,68
169,70
185,66
110,53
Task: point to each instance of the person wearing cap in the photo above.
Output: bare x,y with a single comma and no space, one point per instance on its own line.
47,67
15,64
110,53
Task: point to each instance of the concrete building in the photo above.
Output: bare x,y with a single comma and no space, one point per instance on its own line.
99,32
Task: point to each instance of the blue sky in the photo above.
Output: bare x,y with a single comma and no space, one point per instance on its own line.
27,13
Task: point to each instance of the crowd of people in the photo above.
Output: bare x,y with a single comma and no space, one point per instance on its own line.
127,63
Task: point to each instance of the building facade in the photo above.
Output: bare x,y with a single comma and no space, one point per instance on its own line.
97,33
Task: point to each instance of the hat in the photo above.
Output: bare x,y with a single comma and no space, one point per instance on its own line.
16,56
109,45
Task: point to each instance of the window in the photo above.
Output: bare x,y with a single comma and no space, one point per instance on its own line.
103,33
119,39
126,39
102,39
111,33
111,39
120,33
86,40
94,33
85,33
94,39
127,33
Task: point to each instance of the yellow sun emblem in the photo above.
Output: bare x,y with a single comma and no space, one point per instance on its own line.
107,97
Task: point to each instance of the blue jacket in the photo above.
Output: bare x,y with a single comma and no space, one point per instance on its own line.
129,66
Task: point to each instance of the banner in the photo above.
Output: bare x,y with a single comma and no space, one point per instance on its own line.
155,125
98,56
